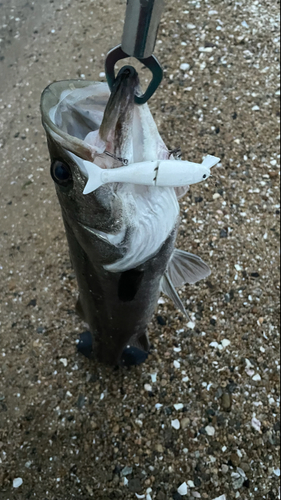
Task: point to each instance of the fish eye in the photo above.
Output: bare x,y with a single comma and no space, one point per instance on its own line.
205,176
61,173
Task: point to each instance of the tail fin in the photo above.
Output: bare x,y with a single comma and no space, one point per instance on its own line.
210,161
94,177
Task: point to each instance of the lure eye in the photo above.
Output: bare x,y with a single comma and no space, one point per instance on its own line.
204,176
61,173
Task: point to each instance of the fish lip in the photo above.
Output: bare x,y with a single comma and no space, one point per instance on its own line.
88,228
50,97
99,233
119,106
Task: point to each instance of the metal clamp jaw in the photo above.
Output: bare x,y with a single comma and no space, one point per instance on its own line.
139,38
150,62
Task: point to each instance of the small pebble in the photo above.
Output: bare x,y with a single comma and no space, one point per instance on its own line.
17,482
210,430
235,460
238,267
182,489
225,343
245,466
80,401
135,485
126,471
158,406
159,448
161,496
256,424
185,423
176,496
161,321
176,424
224,469
226,401
185,66
148,387
191,325
178,406
223,233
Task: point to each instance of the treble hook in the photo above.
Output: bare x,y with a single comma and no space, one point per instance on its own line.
139,38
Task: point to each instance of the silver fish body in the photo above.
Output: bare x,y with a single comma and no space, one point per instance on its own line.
121,237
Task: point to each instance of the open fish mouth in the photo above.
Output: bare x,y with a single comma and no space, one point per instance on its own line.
70,110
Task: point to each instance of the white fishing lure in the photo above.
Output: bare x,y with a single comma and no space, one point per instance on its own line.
160,173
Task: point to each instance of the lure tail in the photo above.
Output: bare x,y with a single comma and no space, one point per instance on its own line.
210,161
94,177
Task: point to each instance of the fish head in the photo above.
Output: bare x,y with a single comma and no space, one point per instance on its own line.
84,121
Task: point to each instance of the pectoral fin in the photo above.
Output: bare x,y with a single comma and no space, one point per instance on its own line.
167,287
185,268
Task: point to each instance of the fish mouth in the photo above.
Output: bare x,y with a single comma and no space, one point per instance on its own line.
71,109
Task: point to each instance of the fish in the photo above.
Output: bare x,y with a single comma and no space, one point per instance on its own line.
121,234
